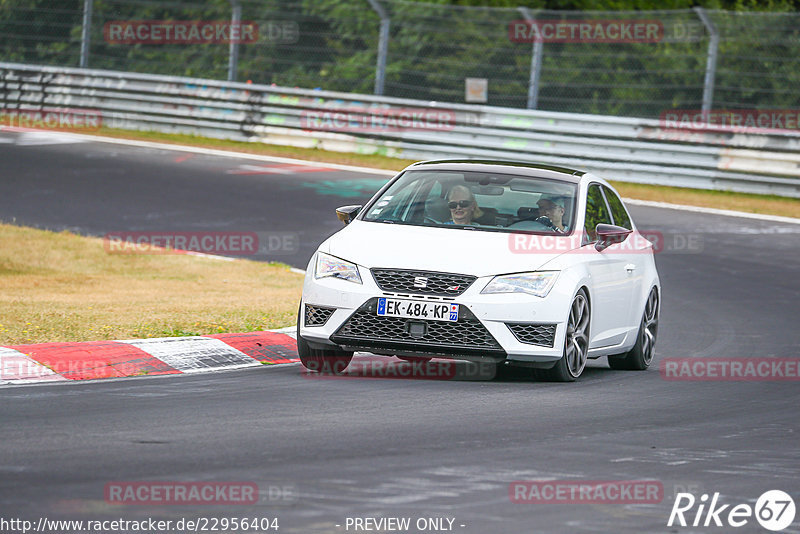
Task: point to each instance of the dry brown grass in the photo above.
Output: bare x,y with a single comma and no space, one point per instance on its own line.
65,287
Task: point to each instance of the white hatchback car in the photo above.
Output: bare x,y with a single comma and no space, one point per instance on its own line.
500,262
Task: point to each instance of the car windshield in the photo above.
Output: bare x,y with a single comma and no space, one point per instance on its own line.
477,201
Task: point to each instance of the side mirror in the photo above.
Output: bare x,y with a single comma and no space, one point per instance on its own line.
347,213
608,234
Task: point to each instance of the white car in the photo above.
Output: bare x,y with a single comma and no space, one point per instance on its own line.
499,262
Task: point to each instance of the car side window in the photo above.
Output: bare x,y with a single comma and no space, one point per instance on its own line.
618,212
596,211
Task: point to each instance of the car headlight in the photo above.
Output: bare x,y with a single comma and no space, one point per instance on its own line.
328,265
538,284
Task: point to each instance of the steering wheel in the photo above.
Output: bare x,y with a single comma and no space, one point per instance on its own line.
542,221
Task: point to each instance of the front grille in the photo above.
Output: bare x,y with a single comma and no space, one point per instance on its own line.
534,334
368,330
317,315
444,284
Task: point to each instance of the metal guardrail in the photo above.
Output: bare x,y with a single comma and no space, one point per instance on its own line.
625,149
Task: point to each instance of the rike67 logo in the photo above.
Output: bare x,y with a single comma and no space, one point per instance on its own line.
774,510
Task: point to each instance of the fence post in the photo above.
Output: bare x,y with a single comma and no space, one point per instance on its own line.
536,60
383,46
85,35
233,51
711,62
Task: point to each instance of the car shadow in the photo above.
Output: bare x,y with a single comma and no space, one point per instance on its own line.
598,370
370,367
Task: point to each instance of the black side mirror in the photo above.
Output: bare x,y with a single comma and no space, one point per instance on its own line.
347,213
608,234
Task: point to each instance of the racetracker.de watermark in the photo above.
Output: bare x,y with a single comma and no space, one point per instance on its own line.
586,491
731,120
731,369
378,119
181,493
586,31
22,368
217,243
165,32
638,242
245,243
51,118
416,368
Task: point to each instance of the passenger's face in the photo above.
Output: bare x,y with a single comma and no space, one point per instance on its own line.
463,212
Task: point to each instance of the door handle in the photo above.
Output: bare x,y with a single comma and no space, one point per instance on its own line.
630,268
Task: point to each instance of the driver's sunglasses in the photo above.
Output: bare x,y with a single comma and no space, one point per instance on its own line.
459,204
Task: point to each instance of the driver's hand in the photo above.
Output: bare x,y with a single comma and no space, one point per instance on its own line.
545,220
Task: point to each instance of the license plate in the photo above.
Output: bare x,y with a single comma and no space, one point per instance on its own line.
415,309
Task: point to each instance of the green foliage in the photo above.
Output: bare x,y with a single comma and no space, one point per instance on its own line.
435,45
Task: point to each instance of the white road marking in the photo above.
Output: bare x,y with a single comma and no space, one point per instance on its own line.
16,367
45,138
194,354
230,154
711,211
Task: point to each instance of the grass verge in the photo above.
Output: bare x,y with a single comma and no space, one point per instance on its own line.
65,287
765,204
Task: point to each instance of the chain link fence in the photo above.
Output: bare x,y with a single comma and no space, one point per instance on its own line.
611,63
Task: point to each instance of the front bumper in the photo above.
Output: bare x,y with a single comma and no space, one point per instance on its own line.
491,327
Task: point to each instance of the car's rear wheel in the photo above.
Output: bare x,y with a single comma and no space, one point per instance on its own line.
641,355
326,361
576,344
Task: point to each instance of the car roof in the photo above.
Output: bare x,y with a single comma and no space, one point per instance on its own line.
532,170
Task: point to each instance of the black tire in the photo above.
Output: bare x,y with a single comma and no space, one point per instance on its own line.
576,344
641,355
325,361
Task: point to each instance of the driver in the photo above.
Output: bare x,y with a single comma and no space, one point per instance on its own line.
552,209
463,207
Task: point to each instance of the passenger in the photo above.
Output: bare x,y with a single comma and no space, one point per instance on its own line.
463,207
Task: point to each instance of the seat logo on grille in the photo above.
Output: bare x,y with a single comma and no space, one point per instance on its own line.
420,281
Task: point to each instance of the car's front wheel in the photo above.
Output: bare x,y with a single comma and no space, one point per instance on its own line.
576,344
326,361
641,355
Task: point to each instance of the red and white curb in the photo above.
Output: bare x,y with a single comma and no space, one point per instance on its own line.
58,362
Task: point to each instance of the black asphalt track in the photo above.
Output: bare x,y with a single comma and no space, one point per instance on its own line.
323,450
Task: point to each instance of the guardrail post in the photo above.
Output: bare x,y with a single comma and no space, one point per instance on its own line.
85,35
711,62
536,60
383,46
233,53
